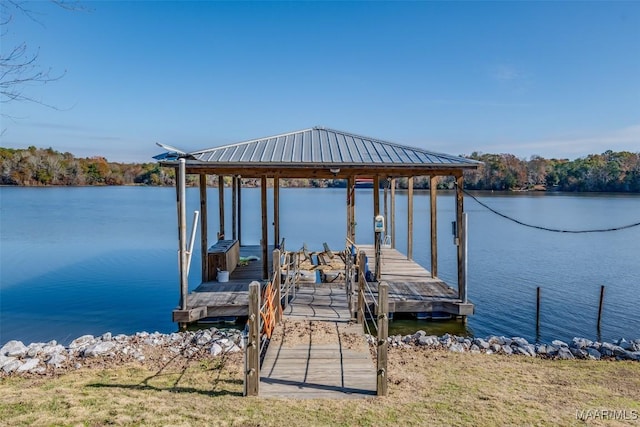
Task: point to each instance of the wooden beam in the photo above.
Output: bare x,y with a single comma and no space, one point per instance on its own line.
265,228
433,187
276,212
234,207
320,171
204,238
221,206
393,213
462,285
410,219
190,315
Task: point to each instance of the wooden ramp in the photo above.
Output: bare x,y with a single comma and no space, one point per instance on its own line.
318,352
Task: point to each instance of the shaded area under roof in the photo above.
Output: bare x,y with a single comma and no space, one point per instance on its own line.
313,152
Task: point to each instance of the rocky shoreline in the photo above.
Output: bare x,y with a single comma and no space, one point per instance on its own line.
156,349
578,348
152,349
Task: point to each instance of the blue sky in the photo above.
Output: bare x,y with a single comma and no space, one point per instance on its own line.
556,79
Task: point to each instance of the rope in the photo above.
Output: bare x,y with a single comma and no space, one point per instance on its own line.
555,230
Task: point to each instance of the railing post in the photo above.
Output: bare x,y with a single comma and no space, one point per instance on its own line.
277,274
348,277
383,332
252,349
361,279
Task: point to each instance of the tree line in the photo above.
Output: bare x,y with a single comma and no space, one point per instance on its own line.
608,172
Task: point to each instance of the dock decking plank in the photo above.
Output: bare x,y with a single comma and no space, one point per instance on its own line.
336,365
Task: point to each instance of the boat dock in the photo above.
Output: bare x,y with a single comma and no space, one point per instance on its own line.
233,286
411,290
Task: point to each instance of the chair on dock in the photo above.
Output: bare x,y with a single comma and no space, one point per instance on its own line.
331,267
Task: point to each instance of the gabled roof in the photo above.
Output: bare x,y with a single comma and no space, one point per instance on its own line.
319,147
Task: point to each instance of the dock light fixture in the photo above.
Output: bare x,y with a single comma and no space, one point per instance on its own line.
334,171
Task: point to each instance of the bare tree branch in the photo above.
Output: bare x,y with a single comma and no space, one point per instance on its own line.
19,67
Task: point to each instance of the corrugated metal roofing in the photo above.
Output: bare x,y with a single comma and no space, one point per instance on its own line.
326,147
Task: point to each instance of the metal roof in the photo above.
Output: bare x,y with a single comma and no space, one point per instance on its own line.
326,147
317,153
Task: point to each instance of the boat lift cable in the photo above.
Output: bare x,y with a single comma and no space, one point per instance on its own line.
555,230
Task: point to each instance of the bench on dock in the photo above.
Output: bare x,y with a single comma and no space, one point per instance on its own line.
223,256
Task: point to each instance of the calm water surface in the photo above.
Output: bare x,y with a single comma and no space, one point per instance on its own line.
88,260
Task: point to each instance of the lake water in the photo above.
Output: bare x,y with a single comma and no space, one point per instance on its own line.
88,260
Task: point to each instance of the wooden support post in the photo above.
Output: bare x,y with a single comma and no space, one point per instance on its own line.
537,313
265,228
383,333
252,348
600,306
240,211
377,236
434,225
277,277
182,232
385,202
410,219
351,209
361,279
234,208
221,206
276,212
204,238
462,273
393,213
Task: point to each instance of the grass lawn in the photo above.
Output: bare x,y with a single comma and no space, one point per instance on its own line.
426,387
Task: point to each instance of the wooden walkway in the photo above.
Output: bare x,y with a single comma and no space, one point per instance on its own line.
318,352
411,287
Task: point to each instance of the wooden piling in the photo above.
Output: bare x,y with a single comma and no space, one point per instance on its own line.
234,207
240,211
376,211
462,272
351,211
265,229
221,206
600,306
434,225
361,279
182,232
252,349
277,277
204,238
393,213
383,333
538,311
276,212
410,219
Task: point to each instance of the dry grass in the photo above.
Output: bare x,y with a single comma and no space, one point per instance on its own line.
426,387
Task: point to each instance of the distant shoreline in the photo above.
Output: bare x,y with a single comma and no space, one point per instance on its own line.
609,172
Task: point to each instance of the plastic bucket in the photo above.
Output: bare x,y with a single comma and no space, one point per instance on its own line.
223,276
